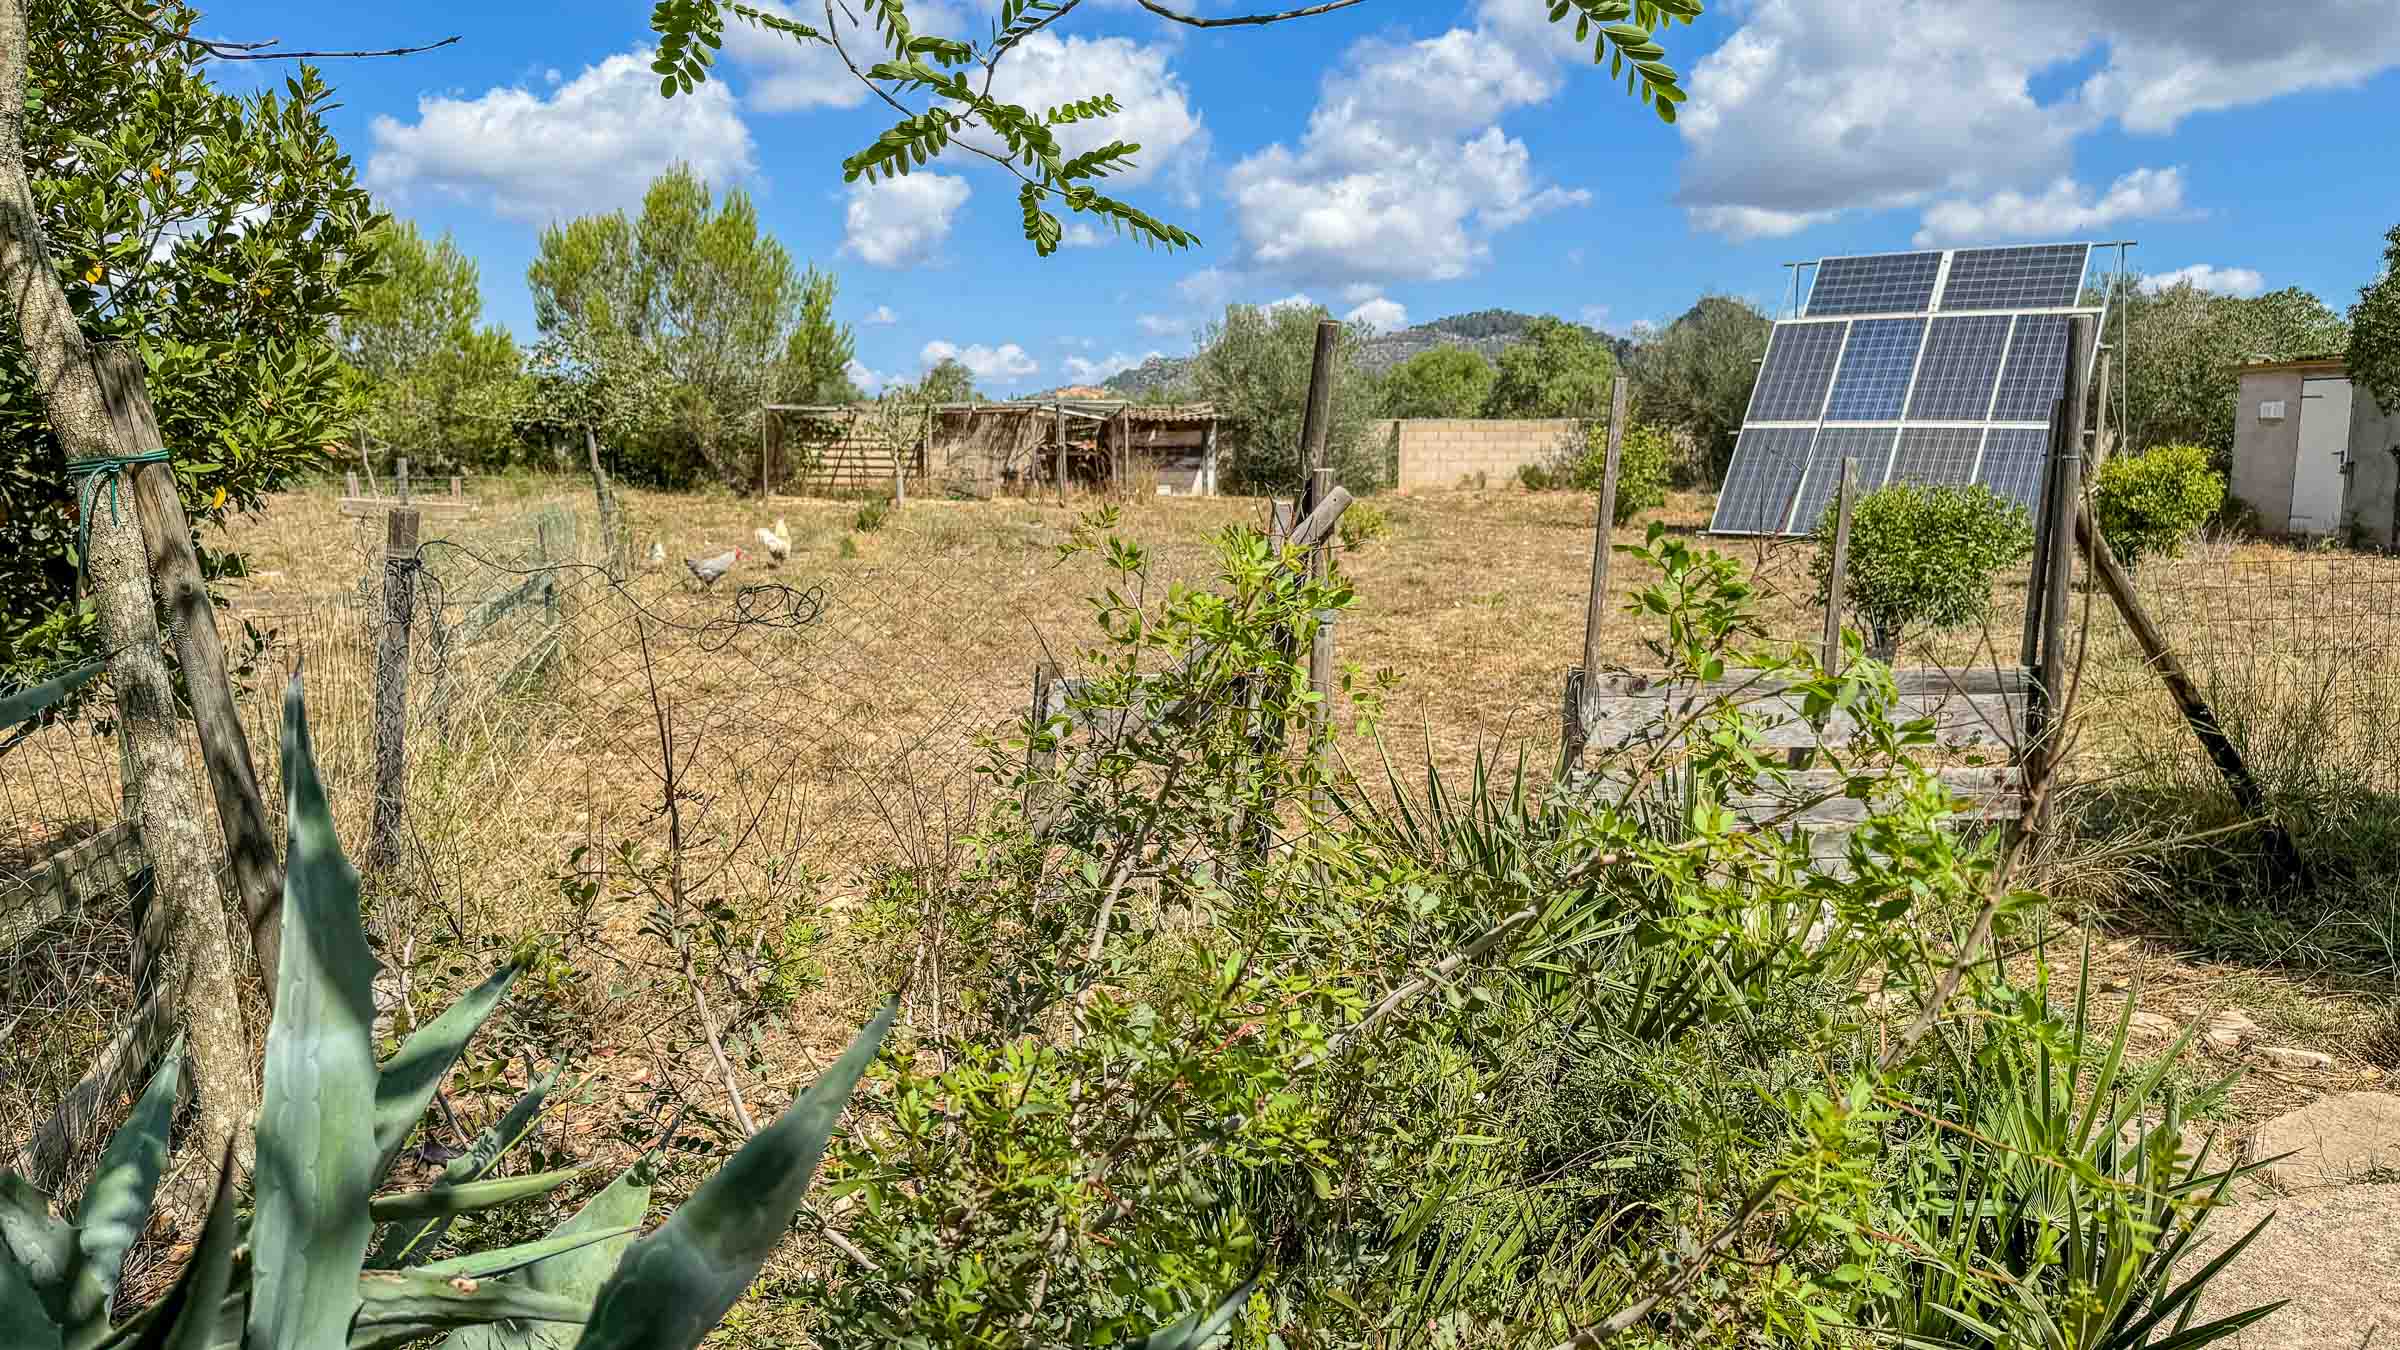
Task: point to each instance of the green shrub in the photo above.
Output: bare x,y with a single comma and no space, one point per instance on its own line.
1923,556
872,513
1363,523
1642,467
2152,503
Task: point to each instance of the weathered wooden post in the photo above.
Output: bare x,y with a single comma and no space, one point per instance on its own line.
1830,653
1058,422
400,483
611,548
1583,681
200,650
391,686
1041,754
1320,647
350,483
2059,512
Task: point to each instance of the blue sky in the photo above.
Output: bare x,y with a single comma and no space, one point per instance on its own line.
1406,160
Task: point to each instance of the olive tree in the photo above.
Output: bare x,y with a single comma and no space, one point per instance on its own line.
1922,557
2375,330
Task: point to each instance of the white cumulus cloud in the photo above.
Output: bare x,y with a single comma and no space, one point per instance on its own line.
1815,107
901,222
1003,364
1296,300
867,380
785,74
1380,315
2065,209
1403,170
880,316
2242,281
1162,325
589,144
1153,109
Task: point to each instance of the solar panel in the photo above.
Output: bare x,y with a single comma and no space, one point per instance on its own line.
1962,360
1758,487
2036,277
1941,368
2037,365
1799,364
2012,464
1934,455
1876,365
1888,283
1870,446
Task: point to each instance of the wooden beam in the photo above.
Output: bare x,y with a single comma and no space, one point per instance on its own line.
200,651
391,688
1604,524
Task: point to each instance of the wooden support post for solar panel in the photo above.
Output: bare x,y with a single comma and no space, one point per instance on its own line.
391,687
2101,431
1576,711
2059,508
1837,574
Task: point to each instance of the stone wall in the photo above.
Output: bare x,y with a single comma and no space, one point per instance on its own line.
1474,452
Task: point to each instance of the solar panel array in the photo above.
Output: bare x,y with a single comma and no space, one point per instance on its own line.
1930,367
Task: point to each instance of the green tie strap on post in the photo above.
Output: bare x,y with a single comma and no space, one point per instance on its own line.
87,494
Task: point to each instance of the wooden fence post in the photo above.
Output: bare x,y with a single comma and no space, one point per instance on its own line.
400,482
611,550
391,687
1040,760
1582,688
200,650
1320,646
350,482
1058,426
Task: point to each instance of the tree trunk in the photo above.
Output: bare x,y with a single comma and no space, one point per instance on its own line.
195,960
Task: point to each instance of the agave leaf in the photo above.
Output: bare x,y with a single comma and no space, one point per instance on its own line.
501,1260
442,1201
41,1248
316,1120
397,1242
191,1316
24,1321
1195,1330
407,1081
395,1307
676,1284
116,1205
616,1213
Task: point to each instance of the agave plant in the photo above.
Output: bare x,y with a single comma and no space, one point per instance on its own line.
329,1257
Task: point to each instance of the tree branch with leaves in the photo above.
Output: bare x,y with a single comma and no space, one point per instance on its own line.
951,105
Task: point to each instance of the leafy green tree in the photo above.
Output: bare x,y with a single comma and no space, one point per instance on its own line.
1443,382
718,306
1923,557
434,379
2375,330
224,235
1694,378
2188,347
953,78
1558,369
1254,366
948,382
816,357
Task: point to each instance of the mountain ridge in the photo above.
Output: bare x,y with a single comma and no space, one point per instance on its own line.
1487,332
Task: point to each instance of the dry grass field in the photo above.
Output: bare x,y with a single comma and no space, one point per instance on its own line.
819,755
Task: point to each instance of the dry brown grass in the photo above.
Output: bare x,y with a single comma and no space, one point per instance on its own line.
822,755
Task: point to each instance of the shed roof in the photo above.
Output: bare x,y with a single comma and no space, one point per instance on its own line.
1081,407
2324,365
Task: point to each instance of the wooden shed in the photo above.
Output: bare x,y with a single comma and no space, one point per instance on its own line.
983,449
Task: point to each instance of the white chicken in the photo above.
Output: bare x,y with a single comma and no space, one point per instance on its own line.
658,553
710,570
777,542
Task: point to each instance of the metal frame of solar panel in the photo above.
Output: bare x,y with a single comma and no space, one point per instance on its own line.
1934,367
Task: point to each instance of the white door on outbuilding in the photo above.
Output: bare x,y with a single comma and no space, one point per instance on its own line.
2324,444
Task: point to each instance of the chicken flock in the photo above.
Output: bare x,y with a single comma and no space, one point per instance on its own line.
776,543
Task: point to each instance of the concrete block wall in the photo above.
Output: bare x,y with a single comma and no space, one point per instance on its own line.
1441,452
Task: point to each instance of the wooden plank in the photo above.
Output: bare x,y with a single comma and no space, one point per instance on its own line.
1993,720
74,1127
71,880
1910,681
432,506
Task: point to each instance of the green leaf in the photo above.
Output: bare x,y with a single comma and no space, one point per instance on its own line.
26,703
1194,1331
23,1320
409,1079
616,1213
116,1205
316,1121
191,1316
501,1260
679,1282
443,1201
399,1241
394,1308
41,1247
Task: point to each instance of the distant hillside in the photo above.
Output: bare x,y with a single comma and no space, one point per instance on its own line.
1489,331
